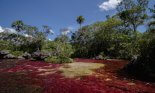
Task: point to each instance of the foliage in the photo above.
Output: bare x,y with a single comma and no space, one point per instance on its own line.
6,45
58,48
30,47
82,41
80,20
105,37
18,25
30,30
59,51
133,12
17,53
59,59
151,24
144,64
62,38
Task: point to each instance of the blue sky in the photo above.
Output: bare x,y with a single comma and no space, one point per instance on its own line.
57,14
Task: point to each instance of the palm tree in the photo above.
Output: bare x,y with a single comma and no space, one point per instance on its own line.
18,25
80,20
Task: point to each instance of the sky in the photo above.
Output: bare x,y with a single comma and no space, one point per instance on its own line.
57,14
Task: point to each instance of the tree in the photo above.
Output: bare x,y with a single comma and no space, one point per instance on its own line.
80,20
133,13
106,36
18,25
152,22
47,31
62,38
30,30
82,41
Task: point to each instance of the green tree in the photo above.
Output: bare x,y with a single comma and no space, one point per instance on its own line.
82,41
80,20
152,22
18,25
62,38
133,13
47,30
30,30
106,36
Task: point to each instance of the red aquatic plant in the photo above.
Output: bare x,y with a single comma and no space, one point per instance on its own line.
27,75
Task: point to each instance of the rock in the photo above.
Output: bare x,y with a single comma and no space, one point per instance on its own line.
9,56
134,59
3,53
100,57
21,57
26,55
38,55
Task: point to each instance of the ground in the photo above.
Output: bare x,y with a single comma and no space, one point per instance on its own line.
82,76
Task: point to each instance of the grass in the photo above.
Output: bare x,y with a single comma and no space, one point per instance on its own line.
79,69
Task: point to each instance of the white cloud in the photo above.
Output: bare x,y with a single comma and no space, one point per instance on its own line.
1,29
51,31
50,39
109,5
26,35
7,30
11,31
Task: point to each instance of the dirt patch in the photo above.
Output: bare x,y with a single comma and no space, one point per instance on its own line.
79,69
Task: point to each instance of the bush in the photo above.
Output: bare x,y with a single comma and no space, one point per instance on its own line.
17,53
144,64
29,47
5,45
56,48
59,59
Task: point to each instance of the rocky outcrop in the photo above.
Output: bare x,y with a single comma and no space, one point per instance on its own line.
3,53
26,55
38,55
9,56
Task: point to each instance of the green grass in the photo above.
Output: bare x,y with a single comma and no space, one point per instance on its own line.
78,69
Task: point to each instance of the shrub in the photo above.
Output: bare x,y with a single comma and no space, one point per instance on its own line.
57,48
29,47
59,59
144,64
5,45
17,53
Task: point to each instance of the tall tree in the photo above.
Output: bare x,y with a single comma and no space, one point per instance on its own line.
80,20
18,25
133,13
30,30
47,30
152,22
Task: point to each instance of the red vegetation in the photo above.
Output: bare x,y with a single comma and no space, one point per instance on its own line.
24,76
